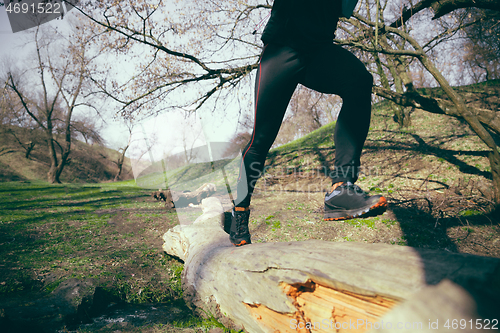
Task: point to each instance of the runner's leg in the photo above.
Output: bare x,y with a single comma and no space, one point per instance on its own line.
277,77
334,70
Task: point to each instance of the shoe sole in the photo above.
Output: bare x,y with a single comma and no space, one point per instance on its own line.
378,208
243,242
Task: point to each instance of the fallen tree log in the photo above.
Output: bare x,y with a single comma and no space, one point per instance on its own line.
183,199
318,286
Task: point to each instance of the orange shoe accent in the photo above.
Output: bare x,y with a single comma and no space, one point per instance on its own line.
334,186
339,218
381,203
243,242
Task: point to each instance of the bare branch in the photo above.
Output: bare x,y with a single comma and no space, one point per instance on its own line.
443,7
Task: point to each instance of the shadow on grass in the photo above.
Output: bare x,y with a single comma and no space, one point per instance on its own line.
326,156
425,234
424,148
15,198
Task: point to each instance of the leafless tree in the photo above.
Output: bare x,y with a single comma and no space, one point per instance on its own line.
51,91
123,150
482,44
17,129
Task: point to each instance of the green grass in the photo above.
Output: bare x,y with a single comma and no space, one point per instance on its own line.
65,230
108,233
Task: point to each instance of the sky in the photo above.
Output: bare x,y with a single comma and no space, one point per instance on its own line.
164,132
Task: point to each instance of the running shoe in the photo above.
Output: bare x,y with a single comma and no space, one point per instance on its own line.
239,234
347,201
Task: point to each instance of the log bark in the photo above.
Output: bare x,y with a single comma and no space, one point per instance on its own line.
318,286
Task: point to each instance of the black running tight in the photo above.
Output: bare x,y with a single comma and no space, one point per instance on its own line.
328,69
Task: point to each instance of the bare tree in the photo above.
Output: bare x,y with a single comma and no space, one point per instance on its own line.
308,110
120,161
237,143
482,44
241,137
53,89
16,127
86,128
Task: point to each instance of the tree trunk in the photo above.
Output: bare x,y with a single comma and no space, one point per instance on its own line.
494,158
399,114
118,174
318,286
52,175
29,148
64,159
119,163
57,165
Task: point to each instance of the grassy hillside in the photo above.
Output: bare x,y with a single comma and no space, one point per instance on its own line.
435,150
88,163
